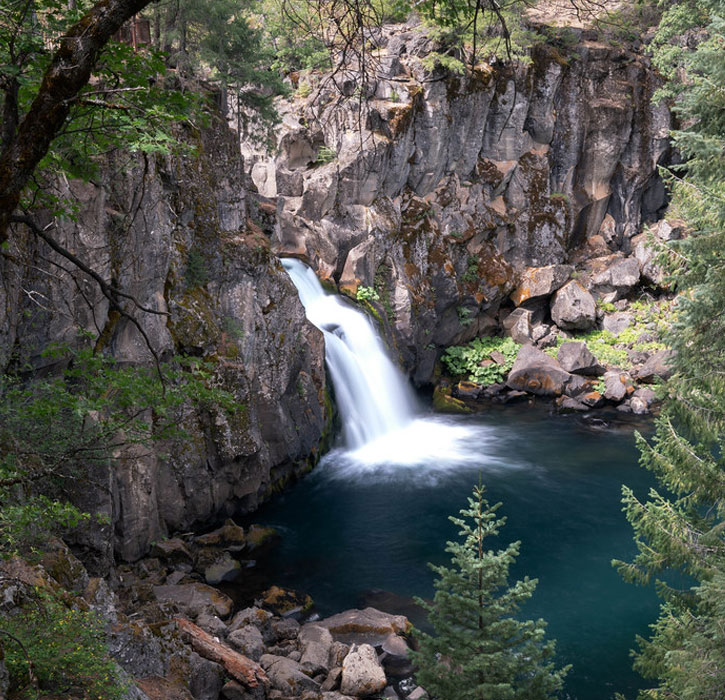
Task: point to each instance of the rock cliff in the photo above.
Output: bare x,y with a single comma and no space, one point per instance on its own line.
177,233
442,189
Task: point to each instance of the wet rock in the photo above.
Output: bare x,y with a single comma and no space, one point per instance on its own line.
540,282
193,599
656,367
229,536
469,390
282,601
577,385
566,404
259,538
576,358
362,674
443,402
537,373
223,568
573,307
247,640
369,626
286,675
593,399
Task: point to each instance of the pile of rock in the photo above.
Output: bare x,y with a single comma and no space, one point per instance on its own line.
183,640
578,382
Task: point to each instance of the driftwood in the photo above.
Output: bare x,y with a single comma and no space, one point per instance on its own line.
238,666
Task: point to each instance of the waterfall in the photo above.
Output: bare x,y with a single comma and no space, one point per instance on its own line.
373,397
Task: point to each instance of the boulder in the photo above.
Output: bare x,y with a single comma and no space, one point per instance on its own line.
282,601
644,253
259,537
656,367
287,676
395,657
577,385
369,626
261,619
206,678
567,404
616,384
285,629
332,682
223,568
670,229
539,282
576,358
618,278
212,624
362,674
236,691
193,599
517,325
334,695
316,644
173,551
229,536
645,394
248,641
617,322
537,373
573,307
638,406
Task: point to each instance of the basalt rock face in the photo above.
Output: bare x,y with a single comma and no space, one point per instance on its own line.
176,233
450,186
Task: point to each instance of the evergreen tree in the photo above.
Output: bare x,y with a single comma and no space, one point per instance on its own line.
480,650
682,527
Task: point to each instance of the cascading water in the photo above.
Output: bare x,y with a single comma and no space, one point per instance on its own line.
377,406
372,396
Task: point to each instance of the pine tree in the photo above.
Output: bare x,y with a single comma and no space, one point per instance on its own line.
681,528
480,650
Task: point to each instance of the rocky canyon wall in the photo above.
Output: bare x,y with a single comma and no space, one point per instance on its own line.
441,190
176,232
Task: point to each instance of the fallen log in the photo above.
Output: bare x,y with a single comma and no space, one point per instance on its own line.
238,666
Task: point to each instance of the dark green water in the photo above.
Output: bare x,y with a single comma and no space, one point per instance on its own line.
349,528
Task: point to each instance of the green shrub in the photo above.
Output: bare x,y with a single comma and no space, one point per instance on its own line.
367,294
464,316
67,648
465,360
197,271
325,155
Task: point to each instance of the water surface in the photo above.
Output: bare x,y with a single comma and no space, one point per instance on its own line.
367,522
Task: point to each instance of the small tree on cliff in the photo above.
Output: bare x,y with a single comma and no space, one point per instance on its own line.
480,651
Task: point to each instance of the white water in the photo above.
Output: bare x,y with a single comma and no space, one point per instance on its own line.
380,417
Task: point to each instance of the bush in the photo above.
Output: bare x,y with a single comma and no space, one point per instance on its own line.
465,360
67,648
367,294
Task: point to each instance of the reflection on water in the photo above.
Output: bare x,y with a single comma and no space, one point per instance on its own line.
370,520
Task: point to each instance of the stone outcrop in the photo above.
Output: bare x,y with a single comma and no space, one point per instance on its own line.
452,188
177,233
537,373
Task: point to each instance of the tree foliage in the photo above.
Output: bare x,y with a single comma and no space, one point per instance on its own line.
56,431
480,649
681,528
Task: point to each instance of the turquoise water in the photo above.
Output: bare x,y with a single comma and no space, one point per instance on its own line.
351,528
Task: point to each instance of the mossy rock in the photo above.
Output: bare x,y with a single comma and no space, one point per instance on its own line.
284,601
443,402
